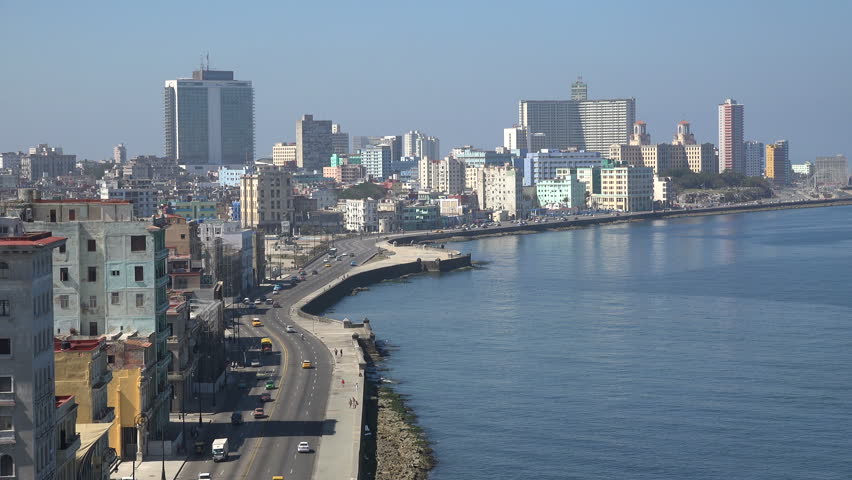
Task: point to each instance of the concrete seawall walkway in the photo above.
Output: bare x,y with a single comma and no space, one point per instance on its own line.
339,455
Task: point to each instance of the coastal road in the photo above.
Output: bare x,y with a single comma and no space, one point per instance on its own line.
266,447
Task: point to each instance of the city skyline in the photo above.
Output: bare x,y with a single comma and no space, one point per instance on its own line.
467,106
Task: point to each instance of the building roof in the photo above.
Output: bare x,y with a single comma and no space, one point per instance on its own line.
76,345
84,200
63,399
31,239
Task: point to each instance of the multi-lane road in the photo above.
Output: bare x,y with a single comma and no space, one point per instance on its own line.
266,447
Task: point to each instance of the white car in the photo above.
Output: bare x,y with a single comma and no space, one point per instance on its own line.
255,363
304,447
290,329
204,476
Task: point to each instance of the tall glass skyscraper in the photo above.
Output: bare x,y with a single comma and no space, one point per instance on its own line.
209,119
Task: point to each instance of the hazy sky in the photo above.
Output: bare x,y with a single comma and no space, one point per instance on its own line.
88,75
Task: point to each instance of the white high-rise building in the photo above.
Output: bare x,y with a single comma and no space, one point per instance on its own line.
445,175
209,120
376,160
119,153
417,144
28,446
591,125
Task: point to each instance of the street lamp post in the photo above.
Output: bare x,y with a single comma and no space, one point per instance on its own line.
139,421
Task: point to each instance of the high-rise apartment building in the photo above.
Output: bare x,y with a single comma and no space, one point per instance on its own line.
417,144
339,140
313,143
28,447
284,154
591,125
515,138
266,200
549,119
445,175
209,120
778,167
119,153
833,171
731,146
376,160
754,158
44,161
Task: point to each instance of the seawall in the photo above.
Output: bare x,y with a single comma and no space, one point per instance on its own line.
579,222
346,446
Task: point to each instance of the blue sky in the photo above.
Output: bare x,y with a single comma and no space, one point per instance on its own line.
88,75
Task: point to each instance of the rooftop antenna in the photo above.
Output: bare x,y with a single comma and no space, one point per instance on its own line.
208,60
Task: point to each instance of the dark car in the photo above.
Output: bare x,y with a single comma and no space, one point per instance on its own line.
237,418
276,305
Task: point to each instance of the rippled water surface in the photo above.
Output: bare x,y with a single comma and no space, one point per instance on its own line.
704,348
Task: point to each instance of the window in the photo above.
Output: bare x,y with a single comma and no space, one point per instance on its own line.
5,308
140,299
72,214
110,359
63,301
62,248
93,274
114,298
93,302
5,346
93,329
137,243
6,422
4,270
7,466
139,273
91,245
6,384
63,274
115,273
183,236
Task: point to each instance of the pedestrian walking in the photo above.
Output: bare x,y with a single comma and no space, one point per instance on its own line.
342,382
335,352
350,402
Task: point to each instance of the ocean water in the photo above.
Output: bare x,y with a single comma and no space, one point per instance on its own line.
712,347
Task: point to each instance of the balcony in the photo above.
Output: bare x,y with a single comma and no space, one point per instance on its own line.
7,437
103,381
7,399
68,450
106,416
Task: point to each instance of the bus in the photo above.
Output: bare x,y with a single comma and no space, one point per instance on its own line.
332,251
265,345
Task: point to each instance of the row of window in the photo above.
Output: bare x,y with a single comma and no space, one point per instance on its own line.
92,274
115,299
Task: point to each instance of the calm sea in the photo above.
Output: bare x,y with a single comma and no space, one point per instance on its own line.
698,348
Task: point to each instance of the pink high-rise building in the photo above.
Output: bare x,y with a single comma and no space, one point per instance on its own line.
731,146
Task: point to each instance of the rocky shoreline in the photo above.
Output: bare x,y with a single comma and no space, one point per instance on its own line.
397,449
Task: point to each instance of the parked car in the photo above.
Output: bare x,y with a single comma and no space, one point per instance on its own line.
255,363
257,301
269,301
265,397
259,413
270,385
353,264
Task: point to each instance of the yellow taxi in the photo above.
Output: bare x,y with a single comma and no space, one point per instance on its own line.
278,477
307,364
327,265
255,322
